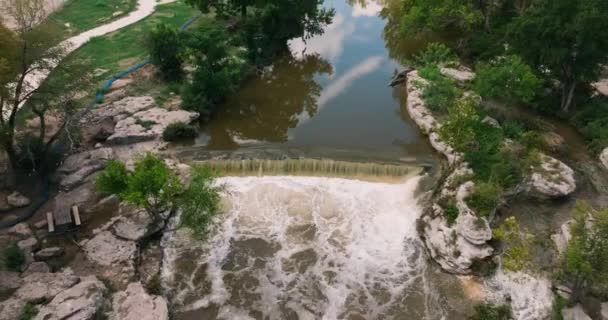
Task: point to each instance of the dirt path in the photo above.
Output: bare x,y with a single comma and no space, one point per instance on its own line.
144,9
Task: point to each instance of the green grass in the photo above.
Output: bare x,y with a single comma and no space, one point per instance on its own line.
84,15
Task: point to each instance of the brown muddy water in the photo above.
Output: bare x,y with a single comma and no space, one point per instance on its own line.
297,240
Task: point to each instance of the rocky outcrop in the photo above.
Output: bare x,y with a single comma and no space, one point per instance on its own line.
148,124
77,167
562,238
575,313
604,158
80,302
551,178
39,287
553,141
9,281
114,258
135,303
455,247
48,253
461,74
10,309
530,296
17,200
133,223
36,267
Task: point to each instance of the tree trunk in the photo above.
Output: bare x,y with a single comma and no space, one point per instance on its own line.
567,96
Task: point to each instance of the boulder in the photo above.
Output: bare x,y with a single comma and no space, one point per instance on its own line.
106,249
17,200
135,303
575,313
21,230
460,75
551,178
604,158
563,291
601,87
118,109
148,124
491,121
30,244
82,195
553,141
38,287
562,238
48,253
36,267
604,311
80,302
133,223
11,309
9,281
77,167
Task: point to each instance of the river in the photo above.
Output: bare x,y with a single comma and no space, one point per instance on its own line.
316,246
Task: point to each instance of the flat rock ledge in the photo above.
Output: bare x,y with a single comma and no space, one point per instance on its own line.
77,167
455,247
136,303
79,302
551,179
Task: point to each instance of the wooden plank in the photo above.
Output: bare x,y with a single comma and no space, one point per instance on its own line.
76,215
62,216
49,222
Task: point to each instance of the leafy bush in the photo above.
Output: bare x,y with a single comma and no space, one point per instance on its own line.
513,130
179,130
451,212
508,78
592,122
165,47
485,198
559,303
114,179
440,93
200,202
28,312
491,312
585,261
33,155
13,257
434,54
516,243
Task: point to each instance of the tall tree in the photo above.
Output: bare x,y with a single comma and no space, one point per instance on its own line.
23,53
564,39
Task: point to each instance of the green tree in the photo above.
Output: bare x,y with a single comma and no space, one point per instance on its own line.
507,78
584,264
516,243
165,47
200,202
440,16
151,185
564,39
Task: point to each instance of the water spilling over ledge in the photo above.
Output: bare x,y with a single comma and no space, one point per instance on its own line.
314,167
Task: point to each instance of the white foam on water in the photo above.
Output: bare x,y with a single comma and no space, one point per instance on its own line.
318,248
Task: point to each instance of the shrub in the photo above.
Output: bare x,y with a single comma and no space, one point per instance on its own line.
440,93
508,78
484,199
513,130
451,212
179,130
434,54
559,303
491,312
165,47
28,312
13,257
154,285
113,180
200,202
592,122
516,245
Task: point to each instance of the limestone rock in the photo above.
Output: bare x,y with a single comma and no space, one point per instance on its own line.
415,105
107,250
133,223
575,313
30,244
604,311
11,309
604,158
601,87
120,83
79,302
461,75
551,179
36,267
38,287
150,262
40,224
491,121
553,141
76,168
48,253
119,109
82,195
9,281
21,230
530,296
17,200
135,303
148,125
562,238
